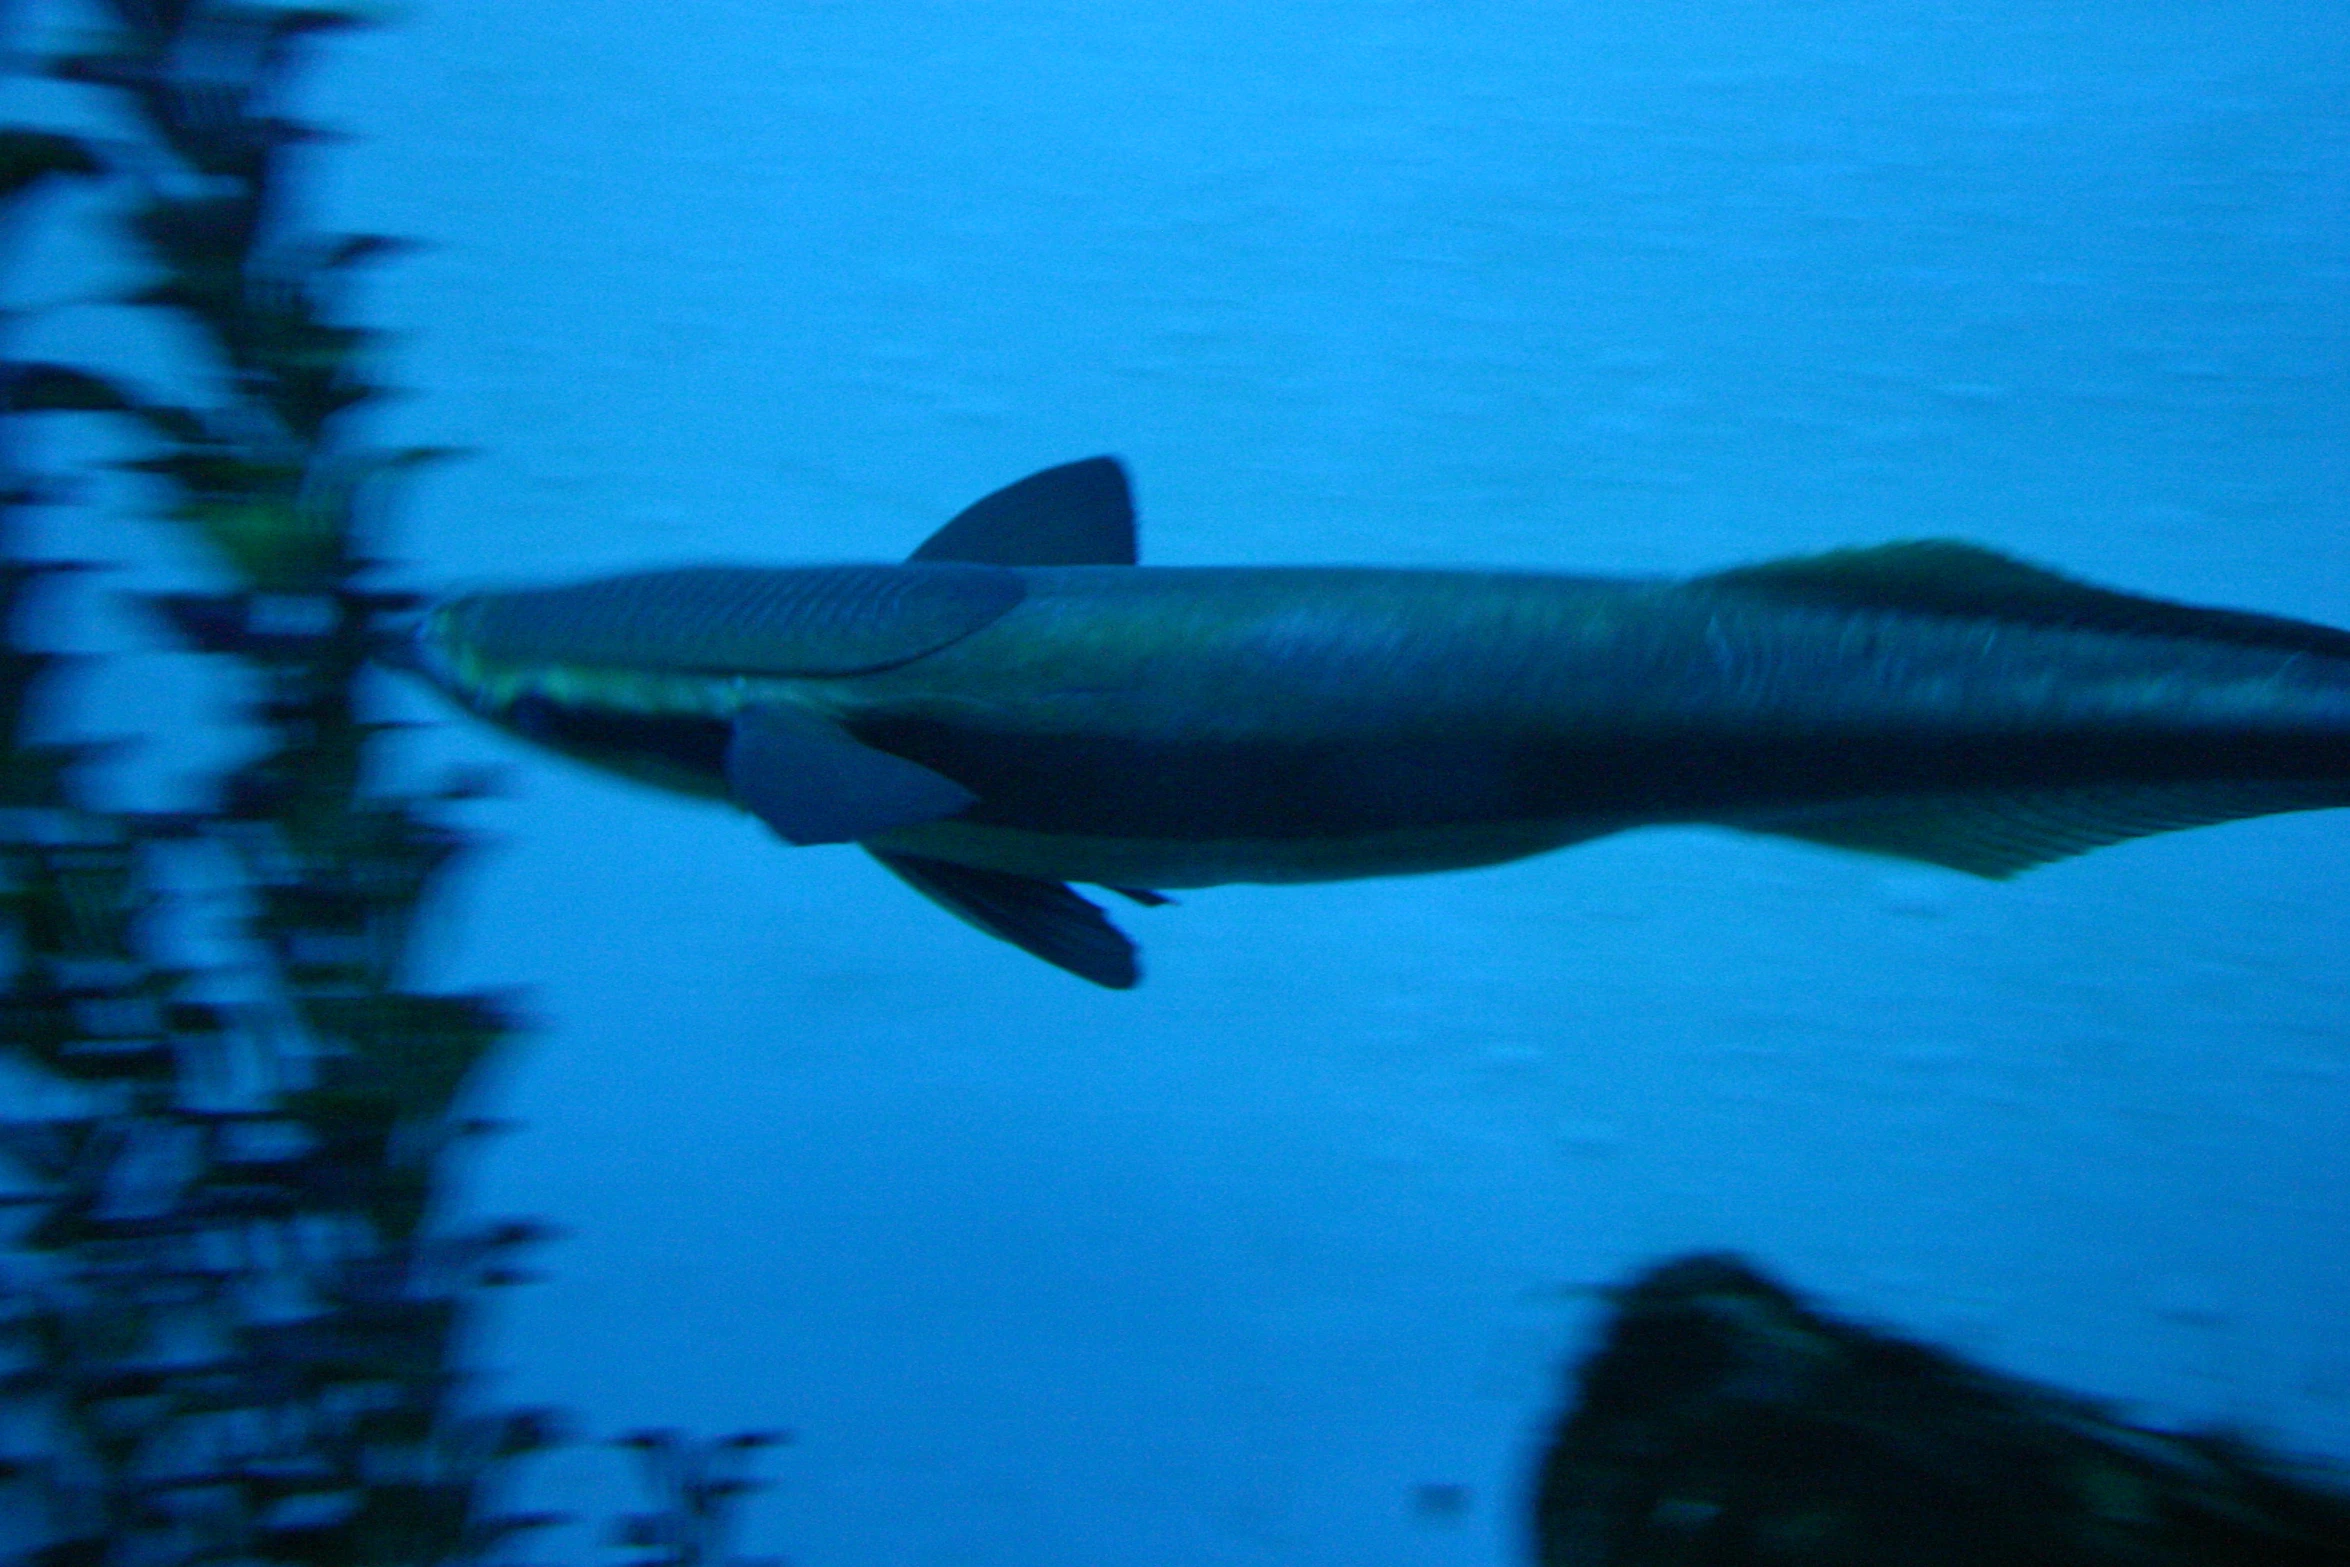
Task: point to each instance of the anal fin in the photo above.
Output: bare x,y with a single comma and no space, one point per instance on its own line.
1998,835
1042,918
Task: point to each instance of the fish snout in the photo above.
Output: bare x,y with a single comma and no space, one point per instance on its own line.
417,642
393,642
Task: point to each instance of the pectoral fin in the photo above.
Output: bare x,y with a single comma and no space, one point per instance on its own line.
814,782
1042,918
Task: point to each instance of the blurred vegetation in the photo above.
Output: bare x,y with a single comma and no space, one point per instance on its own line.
235,1300
1724,1423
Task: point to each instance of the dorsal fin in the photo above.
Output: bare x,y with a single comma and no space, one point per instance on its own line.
1079,514
1947,577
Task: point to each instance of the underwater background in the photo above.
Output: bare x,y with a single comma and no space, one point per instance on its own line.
1249,1264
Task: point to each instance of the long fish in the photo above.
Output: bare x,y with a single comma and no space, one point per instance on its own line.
1019,706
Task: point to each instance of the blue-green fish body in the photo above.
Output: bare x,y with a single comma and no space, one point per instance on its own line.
994,721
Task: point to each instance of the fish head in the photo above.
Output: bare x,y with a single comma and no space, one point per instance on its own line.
503,658
645,675
441,647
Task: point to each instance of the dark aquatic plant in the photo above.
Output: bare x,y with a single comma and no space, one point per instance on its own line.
236,1299
1722,1422
698,1489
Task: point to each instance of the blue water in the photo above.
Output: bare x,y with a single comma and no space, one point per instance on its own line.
1219,1271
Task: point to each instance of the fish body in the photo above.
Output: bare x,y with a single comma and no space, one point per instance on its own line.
1020,707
